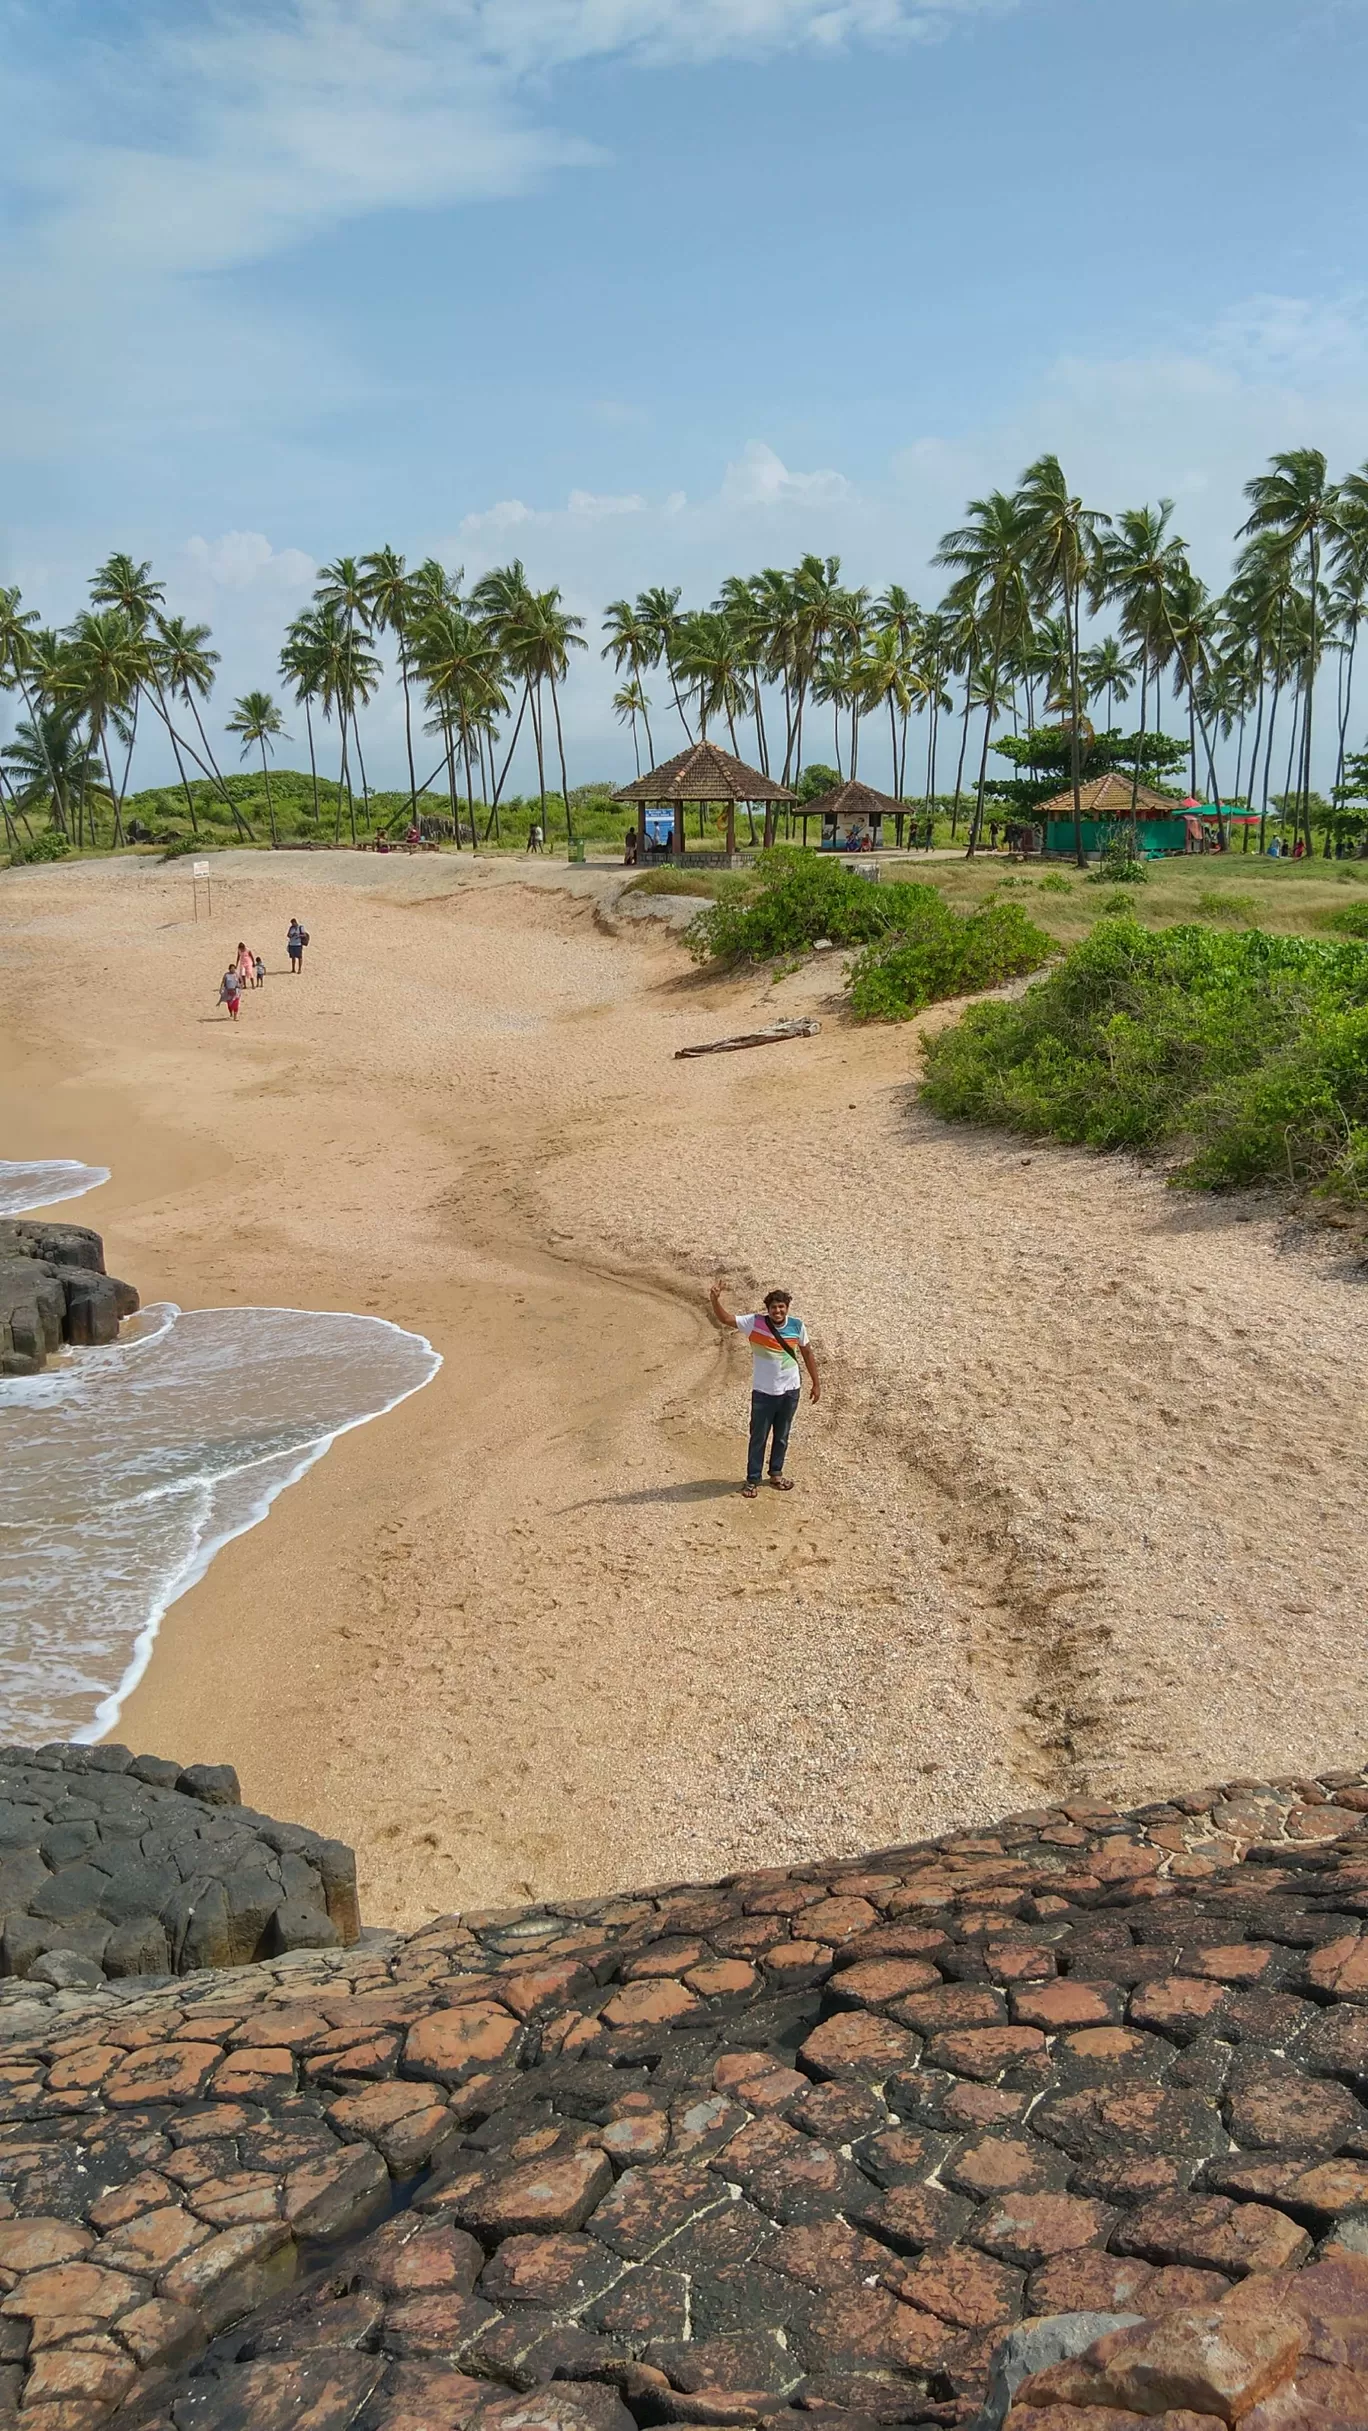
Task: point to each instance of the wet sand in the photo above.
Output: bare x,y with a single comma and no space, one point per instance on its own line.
1081,1506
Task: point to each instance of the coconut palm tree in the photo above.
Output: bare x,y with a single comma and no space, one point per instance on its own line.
741,601
18,626
256,718
185,669
50,765
1105,668
1138,561
657,614
303,655
344,588
1063,546
392,602
460,666
1349,596
996,553
1299,507
109,664
629,704
631,644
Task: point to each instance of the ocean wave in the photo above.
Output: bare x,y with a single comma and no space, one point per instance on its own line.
45,1182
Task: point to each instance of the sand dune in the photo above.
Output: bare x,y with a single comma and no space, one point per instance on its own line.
1081,1506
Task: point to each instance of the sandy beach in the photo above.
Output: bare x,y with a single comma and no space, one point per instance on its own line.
1081,1507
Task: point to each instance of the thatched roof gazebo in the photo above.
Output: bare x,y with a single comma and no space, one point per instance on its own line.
1109,797
701,774
853,806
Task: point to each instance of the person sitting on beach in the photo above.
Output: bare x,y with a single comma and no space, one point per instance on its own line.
295,941
230,990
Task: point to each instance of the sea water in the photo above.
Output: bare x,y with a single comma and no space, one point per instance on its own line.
45,1183
124,1470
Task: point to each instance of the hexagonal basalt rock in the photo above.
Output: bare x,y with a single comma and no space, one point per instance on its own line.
805,2144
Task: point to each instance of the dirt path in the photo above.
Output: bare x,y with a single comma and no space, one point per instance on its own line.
1080,1508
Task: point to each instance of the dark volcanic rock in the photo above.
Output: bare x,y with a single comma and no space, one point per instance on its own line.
54,1289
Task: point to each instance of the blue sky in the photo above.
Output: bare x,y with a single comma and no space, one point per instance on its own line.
654,290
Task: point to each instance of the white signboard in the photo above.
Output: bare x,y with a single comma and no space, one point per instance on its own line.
200,869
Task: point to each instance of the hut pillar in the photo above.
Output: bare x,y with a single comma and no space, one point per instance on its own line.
641,835
731,829
677,840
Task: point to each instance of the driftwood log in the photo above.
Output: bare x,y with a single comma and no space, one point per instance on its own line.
752,1038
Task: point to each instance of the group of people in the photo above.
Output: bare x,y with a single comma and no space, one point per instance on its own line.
247,970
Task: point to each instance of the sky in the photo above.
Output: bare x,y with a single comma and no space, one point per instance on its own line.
653,291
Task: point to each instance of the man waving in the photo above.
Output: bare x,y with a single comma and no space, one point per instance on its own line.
779,1341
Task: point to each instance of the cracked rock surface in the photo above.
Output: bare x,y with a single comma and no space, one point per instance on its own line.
806,2143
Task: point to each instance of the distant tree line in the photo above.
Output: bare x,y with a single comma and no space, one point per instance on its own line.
1012,644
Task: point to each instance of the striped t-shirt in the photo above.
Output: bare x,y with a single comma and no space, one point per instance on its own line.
772,1371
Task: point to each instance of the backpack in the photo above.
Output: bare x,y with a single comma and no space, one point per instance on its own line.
303,936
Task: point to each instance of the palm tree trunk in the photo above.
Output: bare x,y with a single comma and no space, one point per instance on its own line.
560,749
270,806
342,786
470,797
1348,697
761,738
1071,604
242,825
964,746
313,763
408,736
451,780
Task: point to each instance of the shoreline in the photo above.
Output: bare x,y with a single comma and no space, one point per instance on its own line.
523,1640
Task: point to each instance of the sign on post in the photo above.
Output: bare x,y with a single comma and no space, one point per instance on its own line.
198,870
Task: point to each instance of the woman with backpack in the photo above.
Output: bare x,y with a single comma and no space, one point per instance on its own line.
295,941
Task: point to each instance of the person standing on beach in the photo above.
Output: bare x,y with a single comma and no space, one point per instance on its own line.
230,990
779,1341
295,941
534,837
246,965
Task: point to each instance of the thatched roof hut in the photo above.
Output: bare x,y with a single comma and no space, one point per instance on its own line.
703,773
854,805
1109,797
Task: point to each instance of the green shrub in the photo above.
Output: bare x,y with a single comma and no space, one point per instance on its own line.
1221,903
1251,1051
942,953
799,898
178,846
1353,919
1118,906
48,845
1054,882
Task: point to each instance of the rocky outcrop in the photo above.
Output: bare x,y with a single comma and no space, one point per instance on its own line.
115,1865
54,1289
820,2147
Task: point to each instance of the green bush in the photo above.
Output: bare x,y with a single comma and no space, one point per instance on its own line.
800,897
178,846
942,953
1353,919
1054,882
49,845
1250,1052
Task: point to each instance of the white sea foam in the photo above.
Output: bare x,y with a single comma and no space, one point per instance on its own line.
45,1183
124,1470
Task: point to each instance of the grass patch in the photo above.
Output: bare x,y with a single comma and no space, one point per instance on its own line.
1351,918
709,884
1249,1052
1054,882
1223,903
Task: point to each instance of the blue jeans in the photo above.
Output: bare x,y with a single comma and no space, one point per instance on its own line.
772,1416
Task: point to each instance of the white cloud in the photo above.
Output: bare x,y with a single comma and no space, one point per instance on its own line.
505,516
240,559
761,478
585,502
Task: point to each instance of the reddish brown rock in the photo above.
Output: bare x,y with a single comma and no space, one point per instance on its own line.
984,2052
876,2327
1214,2233
253,2076
233,2272
872,1981
73,2287
425,2395
1178,2006
650,2004
1240,1962
61,2374
640,2139
560,2272
140,2194
34,2245
559,2194
722,1979
1065,2002
242,2196
150,2244
335,2195
1091,2282
1027,2230
168,2072
402,2121
649,2205
963,2287
162,2333
910,2217
827,2254
838,1920
451,2044
435,2325
1213,2362
953,2005
857,2043
998,2165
